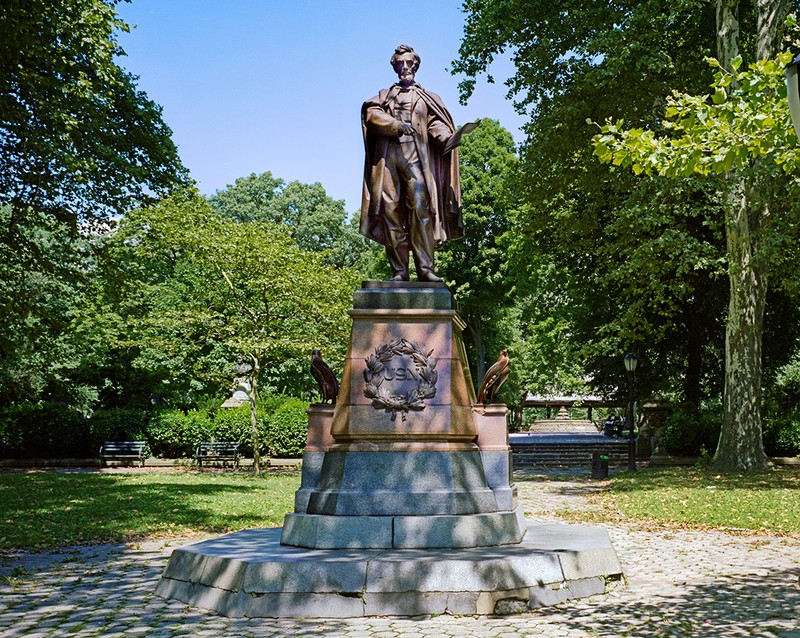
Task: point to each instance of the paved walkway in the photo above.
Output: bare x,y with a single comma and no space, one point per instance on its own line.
680,583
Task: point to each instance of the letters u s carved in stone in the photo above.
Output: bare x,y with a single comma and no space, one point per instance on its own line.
400,375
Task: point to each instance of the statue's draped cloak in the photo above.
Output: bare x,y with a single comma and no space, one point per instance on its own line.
441,171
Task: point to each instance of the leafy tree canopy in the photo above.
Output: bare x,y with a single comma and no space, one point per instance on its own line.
316,221
210,289
475,265
77,138
39,353
575,62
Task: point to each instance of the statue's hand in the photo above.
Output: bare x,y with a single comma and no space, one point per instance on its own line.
405,129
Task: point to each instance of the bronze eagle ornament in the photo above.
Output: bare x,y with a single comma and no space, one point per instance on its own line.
494,378
323,375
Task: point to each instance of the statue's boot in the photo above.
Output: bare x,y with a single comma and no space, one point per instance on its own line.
422,245
397,248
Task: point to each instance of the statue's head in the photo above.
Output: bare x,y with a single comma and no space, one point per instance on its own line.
405,63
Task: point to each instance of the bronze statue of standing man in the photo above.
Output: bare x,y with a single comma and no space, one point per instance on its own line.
411,199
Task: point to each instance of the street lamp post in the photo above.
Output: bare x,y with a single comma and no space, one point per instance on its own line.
630,370
793,92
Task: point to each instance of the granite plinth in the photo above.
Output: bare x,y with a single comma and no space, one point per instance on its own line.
318,441
402,294
312,468
375,400
408,532
420,483
251,574
491,425
497,469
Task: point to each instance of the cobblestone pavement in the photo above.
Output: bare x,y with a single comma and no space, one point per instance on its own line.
680,583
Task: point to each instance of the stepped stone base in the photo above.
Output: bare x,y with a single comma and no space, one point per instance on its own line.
251,574
418,483
409,532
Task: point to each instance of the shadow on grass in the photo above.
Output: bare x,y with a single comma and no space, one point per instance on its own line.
691,477
47,510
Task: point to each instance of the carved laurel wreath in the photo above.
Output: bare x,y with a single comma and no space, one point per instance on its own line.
414,398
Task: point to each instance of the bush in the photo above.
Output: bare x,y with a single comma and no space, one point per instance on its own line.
687,432
781,436
58,431
268,403
117,424
233,424
175,434
44,430
165,433
287,428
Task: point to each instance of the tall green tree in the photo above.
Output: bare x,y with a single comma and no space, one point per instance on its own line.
315,220
573,63
233,290
649,257
475,265
38,303
743,133
79,143
77,138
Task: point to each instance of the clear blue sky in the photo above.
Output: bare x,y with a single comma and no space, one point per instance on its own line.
249,86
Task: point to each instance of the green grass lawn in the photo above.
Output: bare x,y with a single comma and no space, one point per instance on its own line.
45,510
766,502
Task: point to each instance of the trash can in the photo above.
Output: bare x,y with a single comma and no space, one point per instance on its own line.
599,465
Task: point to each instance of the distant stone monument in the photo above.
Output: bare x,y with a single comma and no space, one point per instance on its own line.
241,386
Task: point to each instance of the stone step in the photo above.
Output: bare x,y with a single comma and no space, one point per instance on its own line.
570,451
522,462
571,426
577,454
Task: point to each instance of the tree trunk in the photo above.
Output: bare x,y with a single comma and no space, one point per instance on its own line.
771,16
254,417
727,31
740,444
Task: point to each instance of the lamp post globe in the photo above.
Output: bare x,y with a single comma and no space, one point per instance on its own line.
793,92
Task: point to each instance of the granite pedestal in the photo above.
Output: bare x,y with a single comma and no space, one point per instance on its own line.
403,466
406,504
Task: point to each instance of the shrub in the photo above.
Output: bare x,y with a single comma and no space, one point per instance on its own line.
175,434
165,433
197,428
233,424
287,427
268,403
282,424
687,432
782,436
44,430
117,424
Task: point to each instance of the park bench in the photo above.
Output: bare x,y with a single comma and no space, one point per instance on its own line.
122,450
218,451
